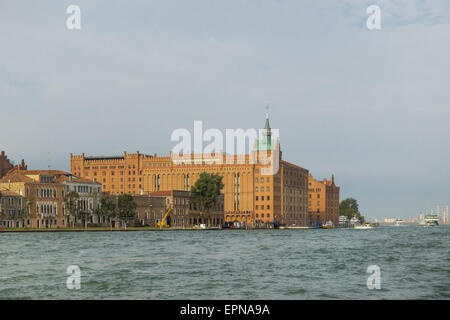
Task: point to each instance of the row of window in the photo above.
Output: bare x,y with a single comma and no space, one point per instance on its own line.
262,189
262,207
262,198
11,201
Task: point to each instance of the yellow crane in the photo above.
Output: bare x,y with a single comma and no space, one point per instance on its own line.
163,223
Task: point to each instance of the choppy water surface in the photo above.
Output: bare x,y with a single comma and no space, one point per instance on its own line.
234,264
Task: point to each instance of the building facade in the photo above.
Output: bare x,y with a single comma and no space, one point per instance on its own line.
260,188
186,212
11,210
323,201
43,193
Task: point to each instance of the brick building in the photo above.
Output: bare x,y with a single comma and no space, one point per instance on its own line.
6,164
323,202
186,212
253,194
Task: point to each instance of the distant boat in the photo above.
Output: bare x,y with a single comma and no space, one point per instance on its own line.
398,223
364,226
204,227
429,220
328,225
431,223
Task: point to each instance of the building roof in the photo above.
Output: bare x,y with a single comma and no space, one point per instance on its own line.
46,172
74,179
291,165
16,176
8,193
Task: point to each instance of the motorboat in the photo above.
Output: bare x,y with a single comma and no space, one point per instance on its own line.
328,225
364,226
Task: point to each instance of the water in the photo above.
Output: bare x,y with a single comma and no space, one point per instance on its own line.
232,264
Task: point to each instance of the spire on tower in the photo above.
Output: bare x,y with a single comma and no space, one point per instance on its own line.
267,126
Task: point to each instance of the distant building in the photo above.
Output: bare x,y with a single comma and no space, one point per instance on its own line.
43,193
6,164
323,201
186,211
10,209
343,221
445,218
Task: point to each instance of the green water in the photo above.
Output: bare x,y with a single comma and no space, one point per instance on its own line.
231,264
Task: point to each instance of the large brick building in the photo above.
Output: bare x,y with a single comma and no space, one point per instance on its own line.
323,204
260,187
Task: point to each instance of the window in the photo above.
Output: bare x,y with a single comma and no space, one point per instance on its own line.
262,179
256,198
256,179
262,198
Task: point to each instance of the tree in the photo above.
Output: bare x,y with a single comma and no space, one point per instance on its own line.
126,207
106,208
206,191
71,205
350,208
28,207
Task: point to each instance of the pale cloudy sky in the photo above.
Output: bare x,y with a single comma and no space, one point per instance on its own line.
372,107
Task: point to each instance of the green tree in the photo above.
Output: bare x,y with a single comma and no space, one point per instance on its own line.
28,207
71,205
106,208
206,191
126,207
350,208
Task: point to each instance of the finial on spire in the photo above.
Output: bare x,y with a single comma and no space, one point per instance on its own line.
267,126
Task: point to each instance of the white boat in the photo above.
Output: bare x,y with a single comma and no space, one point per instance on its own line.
398,223
364,226
429,220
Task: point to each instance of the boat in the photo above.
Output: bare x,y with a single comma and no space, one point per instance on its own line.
204,227
398,223
364,226
429,220
328,225
297,227
431,223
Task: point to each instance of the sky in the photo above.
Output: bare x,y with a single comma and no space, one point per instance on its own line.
371,107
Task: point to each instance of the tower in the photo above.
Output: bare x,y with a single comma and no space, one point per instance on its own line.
265,143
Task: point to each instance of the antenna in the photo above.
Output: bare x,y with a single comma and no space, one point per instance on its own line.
49,166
